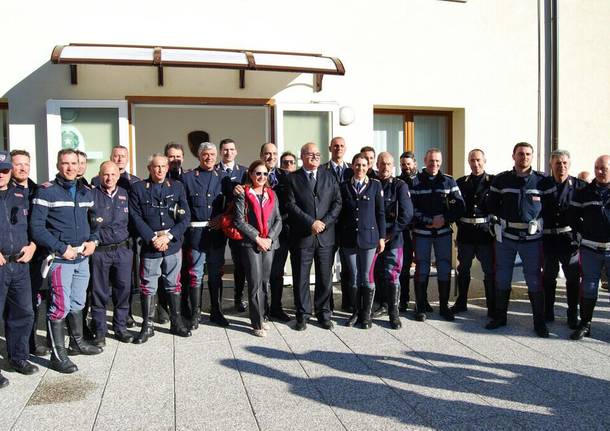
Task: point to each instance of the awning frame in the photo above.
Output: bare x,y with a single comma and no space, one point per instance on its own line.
157,61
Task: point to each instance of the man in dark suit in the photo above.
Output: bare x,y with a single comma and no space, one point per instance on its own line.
313,203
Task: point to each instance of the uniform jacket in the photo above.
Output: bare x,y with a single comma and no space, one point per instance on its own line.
589,213
110,215
14,210
150,215
280,193
305,206
555,213
346,173
206,200
58,220
398,210
475,197
516,199
238,176
438,195
125,181
247,223
362,219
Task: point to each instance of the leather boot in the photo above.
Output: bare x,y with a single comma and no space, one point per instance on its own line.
355,298
537,301
499,319
393,301
148,312
216,315
175,316
162,305
78,345
444,289
572,299
421,300
549,300
461,303
367,307
380,307
238,300
60,361
490,297
587,305
404,291
195,299
35,348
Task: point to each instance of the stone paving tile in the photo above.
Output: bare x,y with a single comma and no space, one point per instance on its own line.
15,397
310,416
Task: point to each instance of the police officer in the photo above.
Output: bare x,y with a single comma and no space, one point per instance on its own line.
361,227
437,203
474,238
559,239
369,152
20,179
516,199
160,214
174,151
398,214
15,252
236,173
590,216
204,243
113,256
60,224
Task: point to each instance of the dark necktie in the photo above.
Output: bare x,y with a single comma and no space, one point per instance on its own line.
229,171
272,179
339,172
312,181
358,186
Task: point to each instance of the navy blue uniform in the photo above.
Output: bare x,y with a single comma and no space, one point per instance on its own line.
433,196
474,240
126,180
114,256
560,247
407,254
15,293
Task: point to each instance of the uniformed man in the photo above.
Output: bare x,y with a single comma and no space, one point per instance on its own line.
590,217
369,152
20,179
204,243
60,224
111,264
16,250
174,151
160,214
474,238
236,173
559,239
516,199
398,214
82,167
437,202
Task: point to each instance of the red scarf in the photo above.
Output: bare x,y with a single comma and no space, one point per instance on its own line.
262,214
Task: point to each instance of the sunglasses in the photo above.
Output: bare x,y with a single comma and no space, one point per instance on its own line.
264,174
287,162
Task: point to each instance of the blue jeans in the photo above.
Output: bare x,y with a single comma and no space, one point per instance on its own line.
532,257
591,263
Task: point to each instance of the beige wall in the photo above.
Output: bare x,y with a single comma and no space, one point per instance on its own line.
156,126
479,59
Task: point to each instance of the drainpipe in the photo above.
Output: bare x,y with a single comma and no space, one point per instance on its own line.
554,76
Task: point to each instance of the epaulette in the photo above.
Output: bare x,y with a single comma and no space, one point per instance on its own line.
46,185
187,171
18,194
215,172
168,183
447,176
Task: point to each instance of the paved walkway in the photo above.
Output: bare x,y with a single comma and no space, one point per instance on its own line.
432,375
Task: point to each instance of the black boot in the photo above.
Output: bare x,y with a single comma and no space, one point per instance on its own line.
216,315
421,300
461,303
3,381
490,297
537,301
195,299
148,312
444,289
502,298
550,288
587,305
355,300
60,361
162,305
404,291
367,307
177,325
380,307
572,299
78,345
35,348
241,306
393,301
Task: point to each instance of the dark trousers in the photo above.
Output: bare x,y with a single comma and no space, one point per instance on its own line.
39,288
257,266
407,260
238,268
466,254
111,276
16,307
276,279
301,260
569,264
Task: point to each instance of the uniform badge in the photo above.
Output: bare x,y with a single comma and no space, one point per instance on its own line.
126,209
19,195
99,219
536,198
123,198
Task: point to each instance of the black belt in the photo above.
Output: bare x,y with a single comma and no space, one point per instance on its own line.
12,258
113,247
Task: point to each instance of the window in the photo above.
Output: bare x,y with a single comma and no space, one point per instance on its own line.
401,130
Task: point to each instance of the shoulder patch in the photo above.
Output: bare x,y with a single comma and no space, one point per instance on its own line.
19,195
46,185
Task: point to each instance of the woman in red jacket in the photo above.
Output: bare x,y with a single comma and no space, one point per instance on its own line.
257,217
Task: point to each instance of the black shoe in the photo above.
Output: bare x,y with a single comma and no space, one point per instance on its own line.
458,308
353,319
429,308
3,381
446,314
541,330
99,340
326,324
60,361
218,318
123,336
40,350
23,367
301,324
130,323
420,316
78,345
380,311
583,330
496,323
177,325
279,315
241,306
403,306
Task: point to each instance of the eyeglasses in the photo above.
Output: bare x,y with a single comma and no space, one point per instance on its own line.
288,162
312,155
264,174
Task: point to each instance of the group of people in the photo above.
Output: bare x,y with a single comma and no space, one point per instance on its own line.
88,239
